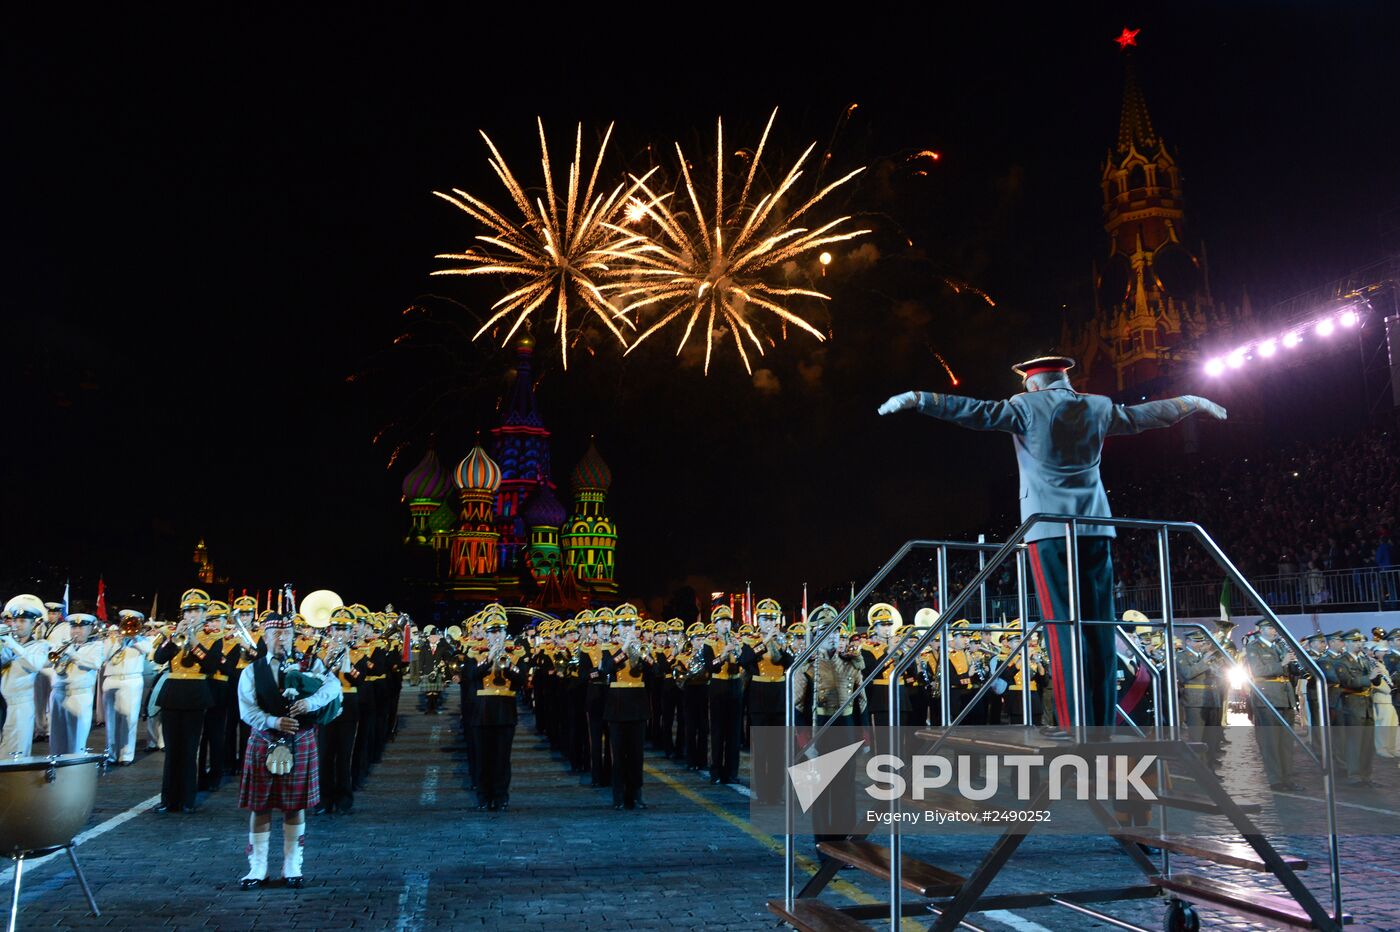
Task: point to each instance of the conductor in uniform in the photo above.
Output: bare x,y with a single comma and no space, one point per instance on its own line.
1058,434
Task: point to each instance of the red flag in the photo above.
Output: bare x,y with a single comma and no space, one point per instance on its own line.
407,636
101,600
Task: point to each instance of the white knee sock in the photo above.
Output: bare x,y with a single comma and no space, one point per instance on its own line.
257,856
292,840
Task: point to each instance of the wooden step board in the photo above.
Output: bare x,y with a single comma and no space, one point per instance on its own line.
1243,901
916,876
1200,804
813,915
1236,854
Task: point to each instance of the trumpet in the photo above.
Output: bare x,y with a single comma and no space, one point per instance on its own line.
57,651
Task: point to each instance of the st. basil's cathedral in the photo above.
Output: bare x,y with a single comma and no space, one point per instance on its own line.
493,529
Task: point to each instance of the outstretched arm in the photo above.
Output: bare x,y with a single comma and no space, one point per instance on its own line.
1134,419
967,412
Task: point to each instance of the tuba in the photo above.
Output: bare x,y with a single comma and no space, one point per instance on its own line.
317,606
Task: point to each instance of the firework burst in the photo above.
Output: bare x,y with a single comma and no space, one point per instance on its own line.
710,260
560,251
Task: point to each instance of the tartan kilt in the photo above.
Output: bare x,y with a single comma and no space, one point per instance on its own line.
262,791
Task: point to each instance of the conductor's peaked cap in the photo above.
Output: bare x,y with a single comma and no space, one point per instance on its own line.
1042,364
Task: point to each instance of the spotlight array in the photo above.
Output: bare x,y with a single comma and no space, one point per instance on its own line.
1268,347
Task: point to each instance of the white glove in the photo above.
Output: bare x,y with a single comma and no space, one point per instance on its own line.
1206,406
905,402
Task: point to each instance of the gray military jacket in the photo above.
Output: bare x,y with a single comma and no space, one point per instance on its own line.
1059,434
1267,669
1196,673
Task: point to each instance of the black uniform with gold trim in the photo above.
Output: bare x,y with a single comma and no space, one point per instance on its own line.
183,700
625,669
498,678
725,658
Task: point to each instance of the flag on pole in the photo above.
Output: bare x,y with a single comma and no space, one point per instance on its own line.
65,598
101,600
407,638
155,599
804,603
1225,601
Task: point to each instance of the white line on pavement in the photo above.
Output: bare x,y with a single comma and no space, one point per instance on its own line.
413,899
1007,917
101,828
430,783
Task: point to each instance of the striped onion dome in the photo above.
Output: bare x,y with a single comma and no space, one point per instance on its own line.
592,472
544,509
478,471
428,480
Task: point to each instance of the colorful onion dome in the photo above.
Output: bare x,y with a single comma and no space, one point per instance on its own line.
478,471
592,472
428,480
544,510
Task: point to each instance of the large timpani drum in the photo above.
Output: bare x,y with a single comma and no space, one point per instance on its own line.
44,803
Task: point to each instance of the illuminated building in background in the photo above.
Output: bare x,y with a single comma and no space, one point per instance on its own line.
1152,291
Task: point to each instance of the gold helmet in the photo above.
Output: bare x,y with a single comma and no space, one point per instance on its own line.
216,609
194,598
883,613
721,611
768,608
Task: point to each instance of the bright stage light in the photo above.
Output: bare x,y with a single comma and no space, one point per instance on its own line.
1235,359
1350,318
1215,367
1239,677
1325,327
824,258
1268,348
1291,340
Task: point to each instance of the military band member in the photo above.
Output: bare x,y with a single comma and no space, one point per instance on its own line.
193,655
591,651
365,699
498,678
336,743
72,700
279,764
837,668
575,693
1268,660
695,699
242,610
1020,681
1357,675
56,630
725,658
767,691
1059,436
223,696
671,718
21,658
123,682
1382,705
434,660
966,672
625,668
1197,670
884,636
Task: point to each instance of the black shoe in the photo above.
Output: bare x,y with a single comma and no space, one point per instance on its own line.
347,809
641,805
629,806
617,806
250,883
715,781
190,810
504,807
162,808
296,883
481,807
321,809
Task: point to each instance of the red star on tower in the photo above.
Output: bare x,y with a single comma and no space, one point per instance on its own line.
1127,38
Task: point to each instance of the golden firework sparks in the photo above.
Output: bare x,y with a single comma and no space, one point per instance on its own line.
560,250
710,260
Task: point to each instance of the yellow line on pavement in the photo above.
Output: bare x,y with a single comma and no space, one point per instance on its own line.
848,890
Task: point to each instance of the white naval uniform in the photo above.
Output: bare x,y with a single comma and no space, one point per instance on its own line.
122,685
70,707
21,663
44,682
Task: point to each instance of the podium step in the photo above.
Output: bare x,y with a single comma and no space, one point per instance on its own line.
916,876
1243,901
813,915
1235,854
1200,804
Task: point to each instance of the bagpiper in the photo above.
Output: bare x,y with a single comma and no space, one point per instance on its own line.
21,659
193,655
123,682
279,701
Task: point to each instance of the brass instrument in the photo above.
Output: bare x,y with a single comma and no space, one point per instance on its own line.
5,629
58,650
129,626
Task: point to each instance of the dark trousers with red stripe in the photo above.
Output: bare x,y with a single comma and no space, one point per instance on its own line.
1097,655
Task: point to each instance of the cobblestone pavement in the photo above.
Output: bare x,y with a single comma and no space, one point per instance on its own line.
416,855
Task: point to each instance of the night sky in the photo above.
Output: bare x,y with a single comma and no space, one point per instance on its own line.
211,225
